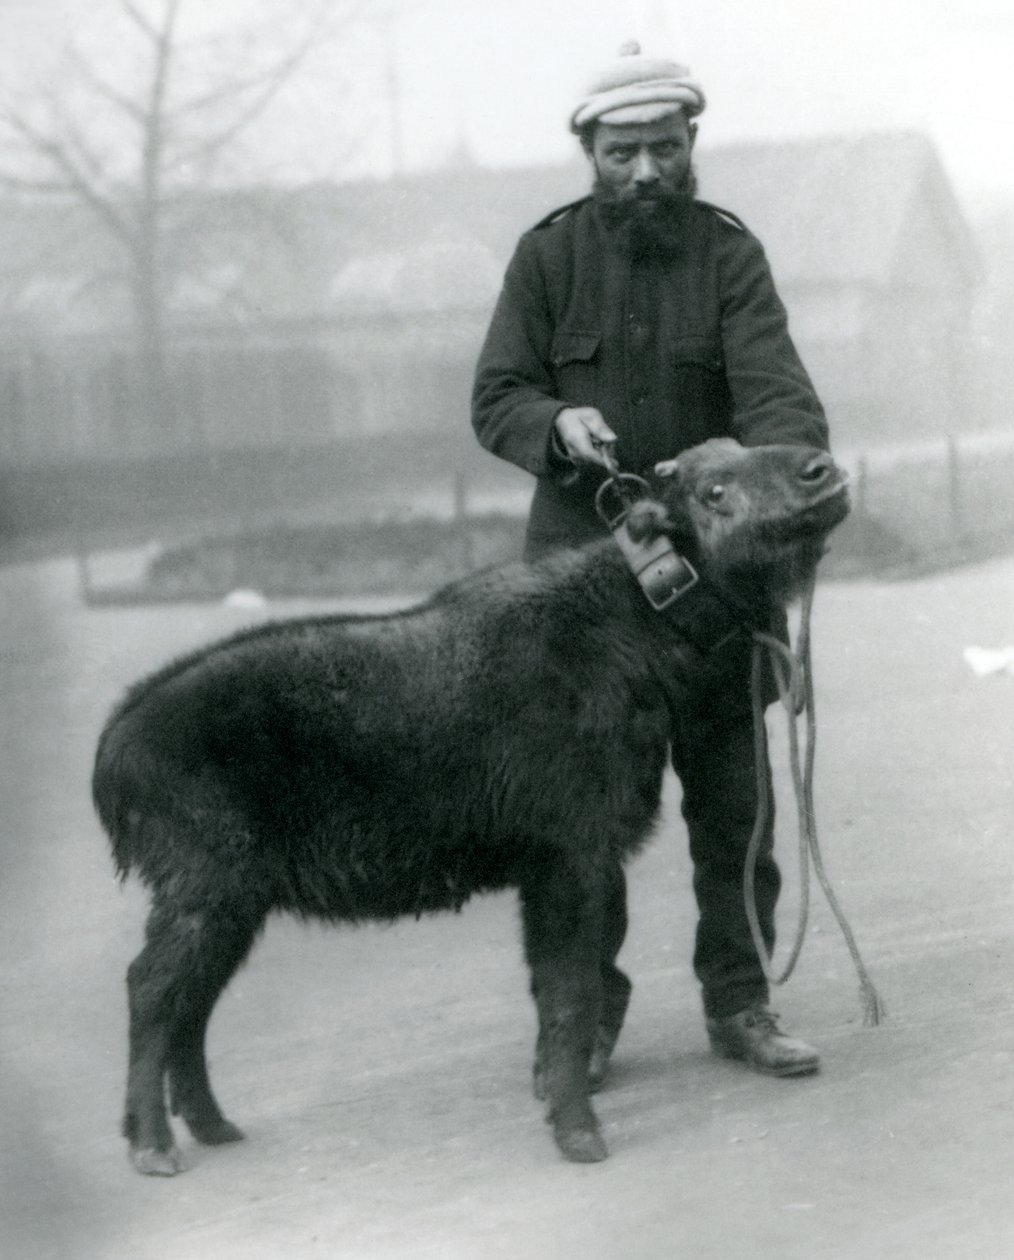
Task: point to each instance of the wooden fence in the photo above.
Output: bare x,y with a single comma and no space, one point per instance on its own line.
911,504
938,499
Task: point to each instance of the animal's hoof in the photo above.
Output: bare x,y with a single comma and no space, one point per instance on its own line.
216,1132
582,1146
155,1163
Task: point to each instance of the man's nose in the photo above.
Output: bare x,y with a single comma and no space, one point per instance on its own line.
645,168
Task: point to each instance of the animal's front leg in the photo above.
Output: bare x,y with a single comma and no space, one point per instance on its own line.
616,988
563,929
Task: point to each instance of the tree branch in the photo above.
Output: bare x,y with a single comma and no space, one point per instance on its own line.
154,116
103,89
79,146
75,179
139,19
270,79
211,144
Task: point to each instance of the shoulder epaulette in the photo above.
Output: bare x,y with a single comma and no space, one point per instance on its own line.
727,215
558,213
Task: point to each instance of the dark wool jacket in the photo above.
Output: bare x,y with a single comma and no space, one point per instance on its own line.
672,351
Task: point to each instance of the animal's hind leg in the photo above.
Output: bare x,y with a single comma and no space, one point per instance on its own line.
152,982
563,924
226,944
170,997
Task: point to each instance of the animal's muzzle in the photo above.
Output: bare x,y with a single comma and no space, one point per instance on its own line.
823,489
820,479
818,470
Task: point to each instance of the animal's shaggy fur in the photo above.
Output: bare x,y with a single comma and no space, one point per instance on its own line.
512,731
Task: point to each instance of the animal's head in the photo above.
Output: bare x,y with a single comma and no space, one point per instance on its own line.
752,519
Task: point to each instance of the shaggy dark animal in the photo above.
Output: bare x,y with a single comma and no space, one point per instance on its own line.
512,731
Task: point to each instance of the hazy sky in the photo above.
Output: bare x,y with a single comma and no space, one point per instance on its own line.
500,75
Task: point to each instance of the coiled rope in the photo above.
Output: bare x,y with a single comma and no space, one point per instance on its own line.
794,675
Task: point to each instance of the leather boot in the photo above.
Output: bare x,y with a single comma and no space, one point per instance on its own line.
753,1036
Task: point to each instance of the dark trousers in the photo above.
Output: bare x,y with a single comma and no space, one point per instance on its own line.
713,754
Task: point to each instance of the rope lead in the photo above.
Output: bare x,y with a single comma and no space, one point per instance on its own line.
794,675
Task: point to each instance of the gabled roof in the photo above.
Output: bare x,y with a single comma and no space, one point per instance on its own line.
840,209
829,209
864,210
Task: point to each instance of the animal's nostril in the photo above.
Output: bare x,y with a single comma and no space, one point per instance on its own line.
816,470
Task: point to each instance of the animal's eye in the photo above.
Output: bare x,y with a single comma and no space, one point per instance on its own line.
714,495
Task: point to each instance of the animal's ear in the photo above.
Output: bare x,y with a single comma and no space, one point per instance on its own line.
647,520
667,468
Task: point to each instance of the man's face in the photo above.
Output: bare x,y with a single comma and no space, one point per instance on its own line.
645,161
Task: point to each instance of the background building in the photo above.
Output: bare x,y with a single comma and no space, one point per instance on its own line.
317,319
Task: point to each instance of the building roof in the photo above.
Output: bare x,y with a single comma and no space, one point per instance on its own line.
828,209
843,209
866,210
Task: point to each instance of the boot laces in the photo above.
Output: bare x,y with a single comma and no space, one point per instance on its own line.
763,1017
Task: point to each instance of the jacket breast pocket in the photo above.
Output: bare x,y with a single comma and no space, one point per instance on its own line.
575,362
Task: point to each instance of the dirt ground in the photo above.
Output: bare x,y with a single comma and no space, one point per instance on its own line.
382,1074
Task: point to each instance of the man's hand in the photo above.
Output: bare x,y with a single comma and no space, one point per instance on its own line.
583,433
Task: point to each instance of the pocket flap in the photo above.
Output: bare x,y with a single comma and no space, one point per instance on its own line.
570,346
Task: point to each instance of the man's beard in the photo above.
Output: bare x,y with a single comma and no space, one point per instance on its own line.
646,224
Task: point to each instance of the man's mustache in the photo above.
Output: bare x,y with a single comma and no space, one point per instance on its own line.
657,194
647,192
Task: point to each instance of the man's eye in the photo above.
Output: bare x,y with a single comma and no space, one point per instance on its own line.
666,150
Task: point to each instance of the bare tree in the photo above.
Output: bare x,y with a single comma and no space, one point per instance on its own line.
127,139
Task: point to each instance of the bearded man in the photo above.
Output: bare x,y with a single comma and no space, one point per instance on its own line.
642,320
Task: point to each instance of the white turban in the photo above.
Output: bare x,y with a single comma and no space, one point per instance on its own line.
638,89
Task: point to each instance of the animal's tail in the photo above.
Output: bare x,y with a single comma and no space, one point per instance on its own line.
112,775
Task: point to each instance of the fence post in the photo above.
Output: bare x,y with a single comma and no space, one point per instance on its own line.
954,489
860,495
84,573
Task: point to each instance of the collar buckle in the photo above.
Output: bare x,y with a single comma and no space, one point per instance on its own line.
666,577
663,575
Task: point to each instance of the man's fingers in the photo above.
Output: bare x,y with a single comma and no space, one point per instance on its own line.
600,432
591,449
602,447
584,433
